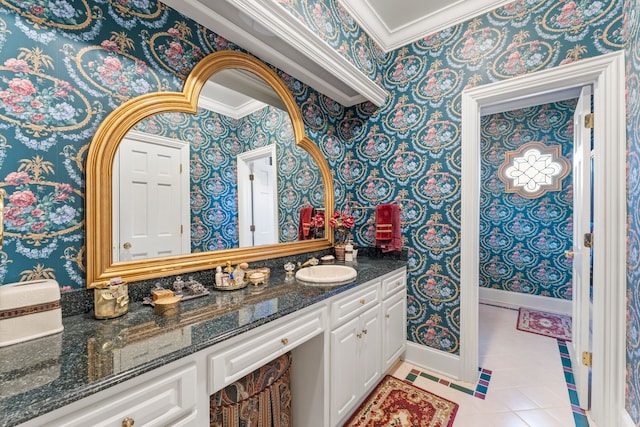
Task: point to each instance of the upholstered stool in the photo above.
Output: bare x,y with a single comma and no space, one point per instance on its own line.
260,399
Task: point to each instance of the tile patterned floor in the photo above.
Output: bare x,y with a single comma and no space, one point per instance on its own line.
526,379
479,390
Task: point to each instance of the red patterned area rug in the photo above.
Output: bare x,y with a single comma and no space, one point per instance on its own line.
542,323
399,404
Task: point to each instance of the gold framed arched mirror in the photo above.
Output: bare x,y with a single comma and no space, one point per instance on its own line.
103,152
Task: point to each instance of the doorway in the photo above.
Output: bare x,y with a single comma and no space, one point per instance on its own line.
257,197
535,209
606,75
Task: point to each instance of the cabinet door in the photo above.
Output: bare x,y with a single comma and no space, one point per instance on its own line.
370,337
162,400
394,330
345,372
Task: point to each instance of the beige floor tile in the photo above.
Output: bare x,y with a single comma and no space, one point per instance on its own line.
513,399
564,415
546,397
500,419
540,418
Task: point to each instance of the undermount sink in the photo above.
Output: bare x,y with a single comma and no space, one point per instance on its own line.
326,275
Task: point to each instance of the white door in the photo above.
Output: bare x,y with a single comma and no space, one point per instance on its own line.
153,213
264,193
257,197
581,254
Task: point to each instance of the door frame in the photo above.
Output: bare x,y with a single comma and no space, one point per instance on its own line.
244,189
185,180
606,74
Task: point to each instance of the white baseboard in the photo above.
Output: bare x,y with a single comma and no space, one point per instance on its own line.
433,360
517,300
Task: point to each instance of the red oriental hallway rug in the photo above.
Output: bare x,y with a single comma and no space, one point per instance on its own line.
397,403
552,325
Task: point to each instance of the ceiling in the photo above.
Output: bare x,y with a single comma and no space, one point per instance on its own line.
267,30
396,23
237,93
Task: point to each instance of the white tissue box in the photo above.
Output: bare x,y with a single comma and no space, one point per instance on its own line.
29,310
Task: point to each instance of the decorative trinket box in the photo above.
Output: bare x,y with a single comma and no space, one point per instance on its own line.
111,299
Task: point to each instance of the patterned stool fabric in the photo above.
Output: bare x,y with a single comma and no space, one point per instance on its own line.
260,399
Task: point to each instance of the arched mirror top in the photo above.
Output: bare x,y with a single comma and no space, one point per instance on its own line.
99,177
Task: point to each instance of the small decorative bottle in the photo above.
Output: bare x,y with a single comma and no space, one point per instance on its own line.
219,276
178,285
348,251
238,276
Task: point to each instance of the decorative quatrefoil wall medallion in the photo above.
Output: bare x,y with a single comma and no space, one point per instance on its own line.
534,169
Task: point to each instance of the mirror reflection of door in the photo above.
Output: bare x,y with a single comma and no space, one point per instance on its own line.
152,176
257,201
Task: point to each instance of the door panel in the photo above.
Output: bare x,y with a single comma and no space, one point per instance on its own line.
257,199
370,353
345,384
150,183
263,206
581,254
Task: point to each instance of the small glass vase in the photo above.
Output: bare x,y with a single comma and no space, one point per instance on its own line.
339,251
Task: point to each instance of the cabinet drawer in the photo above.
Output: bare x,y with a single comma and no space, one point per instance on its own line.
242,357
168,399
351,305
393,284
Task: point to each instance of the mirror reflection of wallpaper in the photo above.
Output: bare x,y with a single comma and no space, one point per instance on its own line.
522,240
215,142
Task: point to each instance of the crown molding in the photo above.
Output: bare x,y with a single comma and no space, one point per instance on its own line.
393,38
294,48
234,112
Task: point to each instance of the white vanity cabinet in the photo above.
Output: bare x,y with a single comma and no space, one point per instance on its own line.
368,336
355,362
341,346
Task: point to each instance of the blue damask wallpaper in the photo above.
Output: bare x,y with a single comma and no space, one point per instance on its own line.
215,141
67,64
408,150
632,33
522,240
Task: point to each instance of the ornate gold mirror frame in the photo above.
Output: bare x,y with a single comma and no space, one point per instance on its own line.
99,167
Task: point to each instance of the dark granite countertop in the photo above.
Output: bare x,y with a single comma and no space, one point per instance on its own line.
44,374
